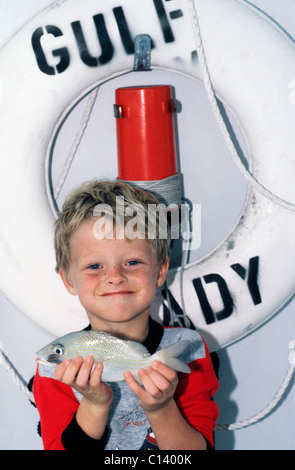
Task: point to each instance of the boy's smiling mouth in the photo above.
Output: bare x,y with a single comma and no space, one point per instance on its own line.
108,293
121,292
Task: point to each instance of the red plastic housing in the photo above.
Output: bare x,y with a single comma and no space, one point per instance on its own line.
145,133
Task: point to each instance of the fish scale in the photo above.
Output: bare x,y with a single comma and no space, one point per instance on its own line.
117,355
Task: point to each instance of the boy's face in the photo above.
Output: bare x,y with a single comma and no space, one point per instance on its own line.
115,279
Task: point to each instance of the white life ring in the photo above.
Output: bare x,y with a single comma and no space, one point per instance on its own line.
251,275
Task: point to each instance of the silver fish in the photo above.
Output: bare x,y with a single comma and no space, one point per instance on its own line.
117,355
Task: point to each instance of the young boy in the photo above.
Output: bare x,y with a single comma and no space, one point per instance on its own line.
115,276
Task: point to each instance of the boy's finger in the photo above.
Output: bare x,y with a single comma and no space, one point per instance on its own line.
156,382
84,372
132,384
72,370
95,377
60,370
153,382
165,371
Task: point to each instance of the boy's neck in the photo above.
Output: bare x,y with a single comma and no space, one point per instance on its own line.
135,330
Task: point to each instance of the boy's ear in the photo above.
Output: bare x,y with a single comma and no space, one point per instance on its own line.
163,269
67,282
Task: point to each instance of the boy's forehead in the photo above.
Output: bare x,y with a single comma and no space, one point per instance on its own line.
87,237
105,227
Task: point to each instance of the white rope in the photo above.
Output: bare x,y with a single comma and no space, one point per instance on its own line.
72,153
185,254
167,190
14,374
216,111
268,409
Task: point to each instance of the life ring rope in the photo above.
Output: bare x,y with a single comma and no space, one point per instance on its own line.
77,140
268,409
250,178
15,375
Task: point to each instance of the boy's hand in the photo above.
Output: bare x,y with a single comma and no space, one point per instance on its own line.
159,385
77,374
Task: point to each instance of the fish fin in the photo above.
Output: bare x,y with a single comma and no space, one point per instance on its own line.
169,356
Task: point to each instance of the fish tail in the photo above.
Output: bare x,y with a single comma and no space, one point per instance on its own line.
169,356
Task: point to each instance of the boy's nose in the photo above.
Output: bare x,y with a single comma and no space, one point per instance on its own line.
115,277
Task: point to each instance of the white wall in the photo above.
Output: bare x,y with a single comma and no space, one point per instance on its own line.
252,369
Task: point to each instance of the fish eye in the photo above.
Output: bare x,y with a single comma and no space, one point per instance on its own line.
58,349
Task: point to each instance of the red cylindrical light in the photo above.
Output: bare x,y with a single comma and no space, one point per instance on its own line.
145,133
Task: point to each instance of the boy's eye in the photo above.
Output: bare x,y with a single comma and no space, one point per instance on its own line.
133,262
94,266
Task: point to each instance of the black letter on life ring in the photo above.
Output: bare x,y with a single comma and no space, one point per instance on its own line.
63,52
209,315
104,40
124,31
166,28
252,278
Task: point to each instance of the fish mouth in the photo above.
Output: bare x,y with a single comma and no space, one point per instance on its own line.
45,363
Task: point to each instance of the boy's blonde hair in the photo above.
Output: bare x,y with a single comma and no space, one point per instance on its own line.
79,207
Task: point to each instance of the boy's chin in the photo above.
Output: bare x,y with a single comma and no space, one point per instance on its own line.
116,316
